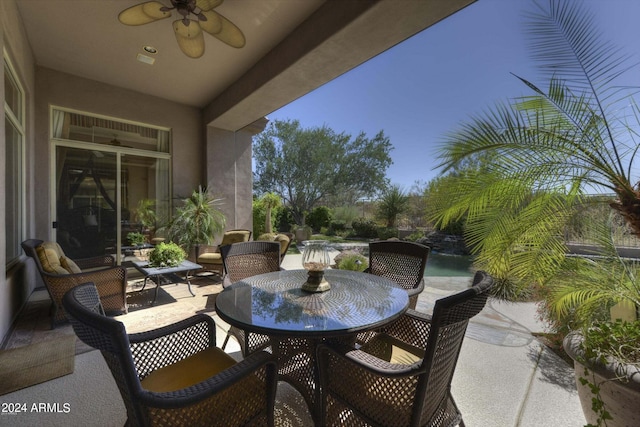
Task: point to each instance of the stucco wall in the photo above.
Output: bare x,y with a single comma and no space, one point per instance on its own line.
229,175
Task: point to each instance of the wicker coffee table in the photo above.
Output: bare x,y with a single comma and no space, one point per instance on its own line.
297,321
166,275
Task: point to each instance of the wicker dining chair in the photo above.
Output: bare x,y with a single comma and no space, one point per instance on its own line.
402,377
242,260
175,375
402,262
60,274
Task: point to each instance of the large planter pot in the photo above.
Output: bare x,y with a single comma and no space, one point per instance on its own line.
302,234
621,398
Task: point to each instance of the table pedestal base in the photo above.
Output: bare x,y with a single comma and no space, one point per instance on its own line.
298,367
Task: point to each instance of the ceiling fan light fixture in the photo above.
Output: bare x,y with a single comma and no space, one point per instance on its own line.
188,31
145,59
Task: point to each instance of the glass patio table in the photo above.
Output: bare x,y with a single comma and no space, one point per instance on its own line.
297,321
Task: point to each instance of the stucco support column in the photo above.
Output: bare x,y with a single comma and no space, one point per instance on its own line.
229,174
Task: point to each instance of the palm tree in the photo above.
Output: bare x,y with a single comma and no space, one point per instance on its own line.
394,202
270,201
197,221
541,153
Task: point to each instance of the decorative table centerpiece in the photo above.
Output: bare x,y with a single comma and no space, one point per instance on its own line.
315,259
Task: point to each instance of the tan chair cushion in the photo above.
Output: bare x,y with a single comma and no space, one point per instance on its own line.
192,370
283,239
69,265
393,350
210,258
284,242
238,236
49,254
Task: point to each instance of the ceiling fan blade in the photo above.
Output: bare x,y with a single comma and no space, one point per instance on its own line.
213,24
206,5
229,33
189,38
143,13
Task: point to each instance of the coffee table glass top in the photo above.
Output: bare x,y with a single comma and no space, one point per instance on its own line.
275,304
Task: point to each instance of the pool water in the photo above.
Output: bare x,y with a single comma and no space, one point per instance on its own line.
443,265
438,264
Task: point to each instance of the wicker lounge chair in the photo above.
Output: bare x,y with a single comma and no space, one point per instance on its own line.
402,377
209,257
56,272
402,262
242,260
282,238
175,375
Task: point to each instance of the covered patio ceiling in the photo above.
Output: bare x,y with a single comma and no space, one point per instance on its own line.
292,47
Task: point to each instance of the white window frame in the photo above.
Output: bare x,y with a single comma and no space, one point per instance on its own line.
19,125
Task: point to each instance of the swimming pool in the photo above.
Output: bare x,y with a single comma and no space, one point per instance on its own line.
444,265
438,264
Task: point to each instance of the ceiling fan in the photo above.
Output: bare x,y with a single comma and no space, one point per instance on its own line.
197,16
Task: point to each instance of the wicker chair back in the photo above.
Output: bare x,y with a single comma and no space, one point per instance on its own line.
371,386
402,262
241,394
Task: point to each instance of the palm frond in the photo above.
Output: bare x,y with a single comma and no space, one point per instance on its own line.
565,43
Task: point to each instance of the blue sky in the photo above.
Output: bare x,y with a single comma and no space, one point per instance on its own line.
423,88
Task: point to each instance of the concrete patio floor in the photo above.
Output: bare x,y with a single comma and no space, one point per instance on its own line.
505,376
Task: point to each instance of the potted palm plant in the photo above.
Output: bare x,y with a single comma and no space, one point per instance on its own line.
607,366
146,215
519,173
197,221
598,297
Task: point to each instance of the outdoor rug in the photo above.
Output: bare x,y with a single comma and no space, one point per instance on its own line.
36,363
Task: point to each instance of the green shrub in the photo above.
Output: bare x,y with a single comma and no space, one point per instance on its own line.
267,237
166,255
385,233
363,227
353,262
346,214
618,340
136,239
415,236
284,219
319,217
259,216
326,231
338,225
455,228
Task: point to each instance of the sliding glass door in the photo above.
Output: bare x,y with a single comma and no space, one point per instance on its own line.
144,197
110,185
86,203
